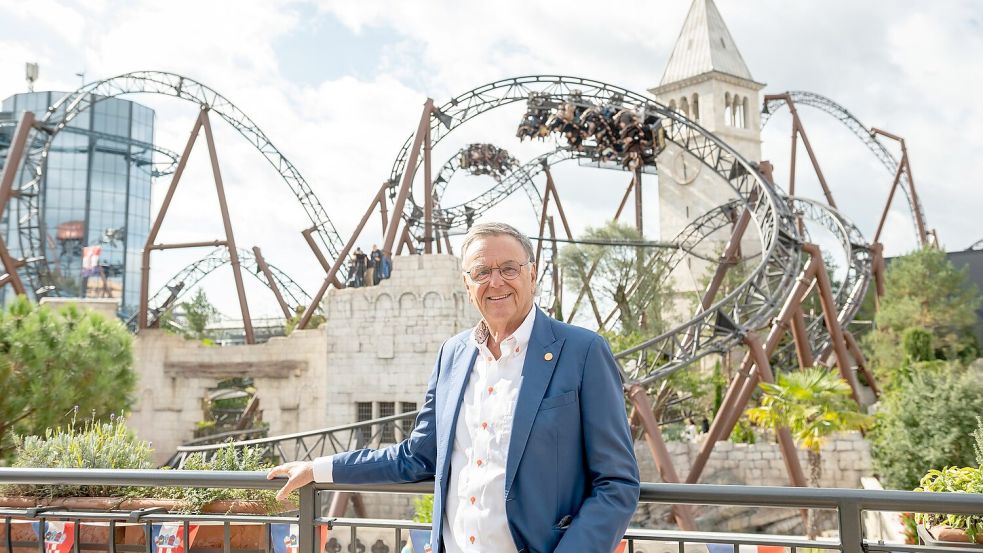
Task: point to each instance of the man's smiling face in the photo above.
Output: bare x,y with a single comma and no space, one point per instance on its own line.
503,304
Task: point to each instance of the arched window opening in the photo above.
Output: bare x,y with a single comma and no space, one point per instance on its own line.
695,107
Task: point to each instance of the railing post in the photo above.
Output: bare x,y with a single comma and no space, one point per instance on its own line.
851,527
310,509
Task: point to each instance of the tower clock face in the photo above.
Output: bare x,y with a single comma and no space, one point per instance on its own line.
684,167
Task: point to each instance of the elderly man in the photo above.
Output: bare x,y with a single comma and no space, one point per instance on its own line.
523,425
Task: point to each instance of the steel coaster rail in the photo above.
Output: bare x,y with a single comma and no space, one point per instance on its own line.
152,82
848,503
850,292
754,301
841,114
186,279
305,446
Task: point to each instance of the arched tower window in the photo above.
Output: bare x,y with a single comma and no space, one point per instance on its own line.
746,124
695,107
729,109
684,106
738,112
672,105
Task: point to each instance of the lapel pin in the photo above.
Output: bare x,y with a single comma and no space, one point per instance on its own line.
548,356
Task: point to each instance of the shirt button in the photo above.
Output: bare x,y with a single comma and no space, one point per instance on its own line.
491,389
484,425
471,539
489,358
478,462
473,499
517,350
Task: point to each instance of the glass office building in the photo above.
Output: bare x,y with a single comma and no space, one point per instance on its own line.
96,192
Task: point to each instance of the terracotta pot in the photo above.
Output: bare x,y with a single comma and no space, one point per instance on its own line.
948,533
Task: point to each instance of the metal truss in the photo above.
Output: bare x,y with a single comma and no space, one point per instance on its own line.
852,289
841,114
747,307
186,279
148,82
306,446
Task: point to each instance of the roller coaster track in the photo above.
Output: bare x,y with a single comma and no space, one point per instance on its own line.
841,114
31,226
186,279
305,446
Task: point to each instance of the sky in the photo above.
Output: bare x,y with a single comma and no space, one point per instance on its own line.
339,86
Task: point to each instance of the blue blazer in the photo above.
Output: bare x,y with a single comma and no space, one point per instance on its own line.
571,479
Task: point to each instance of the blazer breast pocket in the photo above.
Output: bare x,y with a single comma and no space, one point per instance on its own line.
560,400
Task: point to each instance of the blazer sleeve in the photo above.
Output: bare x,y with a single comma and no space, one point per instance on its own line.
604,516
412,460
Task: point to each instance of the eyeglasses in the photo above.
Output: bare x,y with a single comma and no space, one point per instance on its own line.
509,271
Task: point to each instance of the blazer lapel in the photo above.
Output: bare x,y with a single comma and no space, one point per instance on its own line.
460,373
536,374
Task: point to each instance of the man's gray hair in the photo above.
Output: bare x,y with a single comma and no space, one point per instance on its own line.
482,230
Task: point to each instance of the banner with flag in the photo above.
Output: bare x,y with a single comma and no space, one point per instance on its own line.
90,260
168,537
59,536
284,538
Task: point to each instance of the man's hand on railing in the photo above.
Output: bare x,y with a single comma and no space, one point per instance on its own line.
298,473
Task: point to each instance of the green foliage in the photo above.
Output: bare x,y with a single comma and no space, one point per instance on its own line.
812,403
95,445
198,313
978,446
423,509
924,290
917,344
959,480
55,361
641,303
317,319
229,458
743,432
924,422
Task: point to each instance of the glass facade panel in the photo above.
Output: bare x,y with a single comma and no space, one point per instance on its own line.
96,192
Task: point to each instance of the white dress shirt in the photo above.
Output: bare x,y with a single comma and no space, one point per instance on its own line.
475,519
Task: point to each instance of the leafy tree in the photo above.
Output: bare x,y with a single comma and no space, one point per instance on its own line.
812,404
925,421
199,312
316,320
924,290
54,363
917,345
640,297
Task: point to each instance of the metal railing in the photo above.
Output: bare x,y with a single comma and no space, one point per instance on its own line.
849,505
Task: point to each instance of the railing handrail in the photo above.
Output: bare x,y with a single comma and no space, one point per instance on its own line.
703,494
297,435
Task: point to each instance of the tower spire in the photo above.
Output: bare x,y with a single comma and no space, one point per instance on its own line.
704,45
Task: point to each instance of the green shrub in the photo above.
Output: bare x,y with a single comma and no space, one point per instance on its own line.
228,458
959,480
54,359
917,344
95,445
979,441
423,509
925,422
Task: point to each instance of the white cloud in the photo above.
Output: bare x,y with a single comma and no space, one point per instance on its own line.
912,69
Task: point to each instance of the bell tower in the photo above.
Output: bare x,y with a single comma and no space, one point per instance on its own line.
706,80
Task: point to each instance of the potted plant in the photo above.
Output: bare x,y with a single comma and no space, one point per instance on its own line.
111,446
813,404
937,527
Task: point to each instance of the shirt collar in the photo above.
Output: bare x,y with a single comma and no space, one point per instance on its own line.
521,335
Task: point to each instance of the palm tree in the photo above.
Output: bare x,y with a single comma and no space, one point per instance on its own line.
812,404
